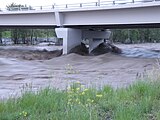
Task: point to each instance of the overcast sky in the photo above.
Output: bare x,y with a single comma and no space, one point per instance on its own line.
3,3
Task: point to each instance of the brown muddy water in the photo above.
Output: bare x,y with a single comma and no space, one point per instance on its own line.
17,72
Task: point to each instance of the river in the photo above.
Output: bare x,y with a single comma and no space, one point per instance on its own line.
16,73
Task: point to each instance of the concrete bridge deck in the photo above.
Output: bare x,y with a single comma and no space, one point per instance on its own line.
110,13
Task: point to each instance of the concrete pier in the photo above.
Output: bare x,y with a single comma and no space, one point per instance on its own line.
95,37
73,37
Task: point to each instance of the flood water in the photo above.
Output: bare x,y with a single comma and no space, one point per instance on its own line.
140,53
59,72
148,50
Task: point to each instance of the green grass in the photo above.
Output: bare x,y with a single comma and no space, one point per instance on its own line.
140,101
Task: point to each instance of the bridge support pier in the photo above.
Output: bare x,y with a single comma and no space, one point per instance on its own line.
93,43
95,37
73,37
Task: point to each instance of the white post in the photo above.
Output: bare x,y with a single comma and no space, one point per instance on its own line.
99,2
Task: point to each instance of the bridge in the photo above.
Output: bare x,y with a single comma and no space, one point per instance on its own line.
74,22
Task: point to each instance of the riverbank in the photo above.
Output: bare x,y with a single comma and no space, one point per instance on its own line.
138,102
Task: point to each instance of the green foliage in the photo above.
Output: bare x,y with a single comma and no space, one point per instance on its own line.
6,34
140,101
118,35
25,36
136,35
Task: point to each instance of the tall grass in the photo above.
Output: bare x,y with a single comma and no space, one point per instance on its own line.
140,101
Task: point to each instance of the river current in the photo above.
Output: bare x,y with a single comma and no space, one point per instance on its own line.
147,50
59,72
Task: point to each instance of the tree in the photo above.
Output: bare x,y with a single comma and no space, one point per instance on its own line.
14,6
139,35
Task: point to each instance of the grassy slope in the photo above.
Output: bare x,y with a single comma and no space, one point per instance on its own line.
140,101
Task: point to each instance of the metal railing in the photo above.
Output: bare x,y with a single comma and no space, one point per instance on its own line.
78,5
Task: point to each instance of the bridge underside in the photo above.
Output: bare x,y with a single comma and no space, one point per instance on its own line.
116,26
73,35
88,27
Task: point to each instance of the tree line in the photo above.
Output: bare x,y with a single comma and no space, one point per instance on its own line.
25,36
127,36
143,35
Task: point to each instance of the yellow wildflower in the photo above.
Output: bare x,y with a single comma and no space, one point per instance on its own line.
23,113
82,86
72,89
83,93
99,95
85,90
77,89
78,82
69,103
90,101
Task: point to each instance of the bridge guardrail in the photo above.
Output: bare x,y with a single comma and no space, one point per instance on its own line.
77,5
